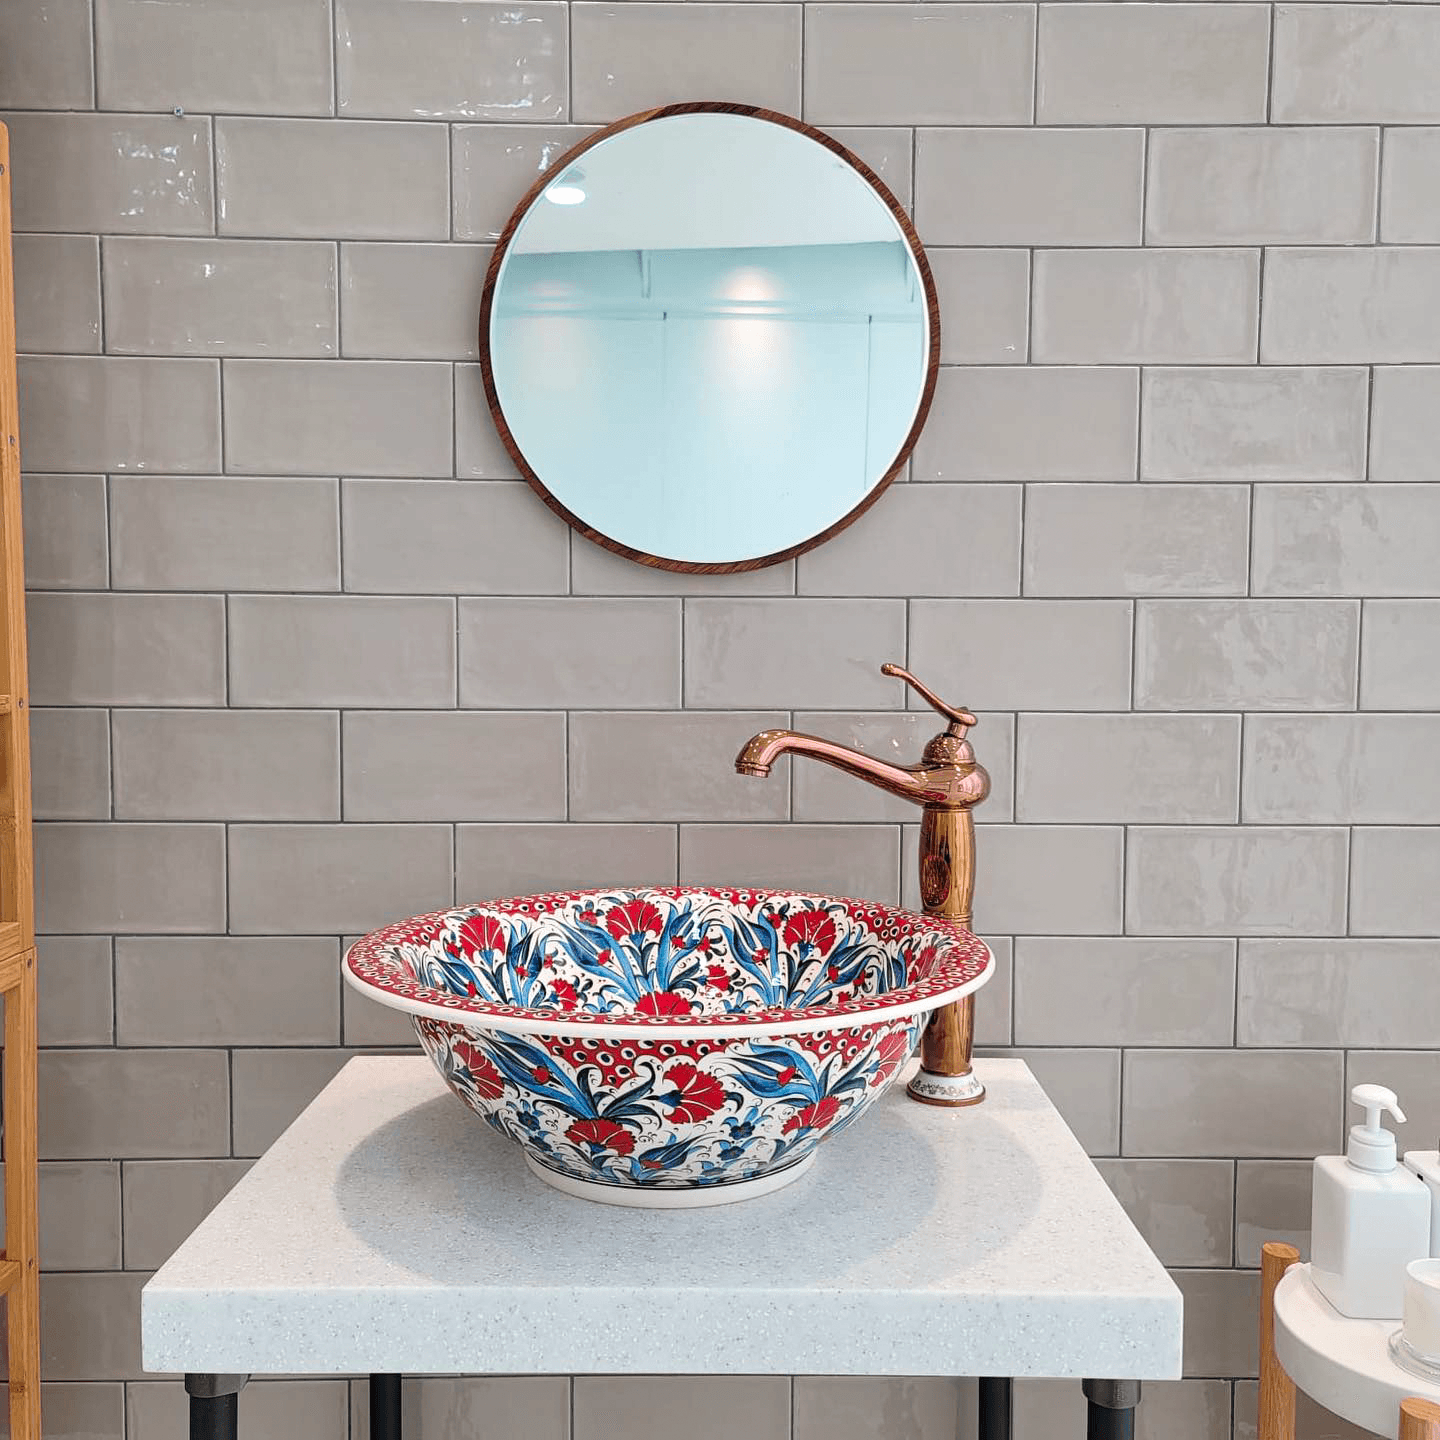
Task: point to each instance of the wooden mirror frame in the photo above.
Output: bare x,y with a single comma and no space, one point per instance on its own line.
922,265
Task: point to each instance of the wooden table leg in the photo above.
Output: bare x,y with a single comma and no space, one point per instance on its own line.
996,1399
1419,1420
1276,1419
384,1407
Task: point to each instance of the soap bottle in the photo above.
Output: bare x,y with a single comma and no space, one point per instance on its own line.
1426,1164
1369,1217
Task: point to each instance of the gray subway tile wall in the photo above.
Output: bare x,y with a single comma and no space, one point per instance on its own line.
307,655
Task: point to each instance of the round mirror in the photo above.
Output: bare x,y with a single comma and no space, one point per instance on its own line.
709,337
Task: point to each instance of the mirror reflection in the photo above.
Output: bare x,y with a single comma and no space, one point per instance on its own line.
709,338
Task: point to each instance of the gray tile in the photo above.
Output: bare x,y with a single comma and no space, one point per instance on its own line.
1028,186
335,879
1368,540
315,1409
1149,307
140,1103
79,1215
598,654
859,860
496,860
90,413
1128,768
413,536
1397,669
1137,539
224,533
223,991
411,302
905,545
1031,423
226,764
86,1410
522,1407
889,150
161,879
342,651
66,538
272,1087
1336,63
1084,1086
57,292
73,977
90,1325
705,1407
1204,1102
1268,423
1245,654
1342,769
819,653
628,57
1392,889
479,453
1080,892
919,64
1248,880
127,649
354,417
492,166
1220,1306
1152,64
45,56
1410,178
452,61
232,56
454,766
1024,654
993,1002
1348,994
112,174
653,766
1184,1209
863,1407
365,1022
987,292
823,793
1272,1202
1405,423
1124,991
1262,186
1339,306
335,179
164,1200
70,764
220,297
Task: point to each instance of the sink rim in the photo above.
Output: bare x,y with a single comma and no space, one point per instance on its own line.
369,970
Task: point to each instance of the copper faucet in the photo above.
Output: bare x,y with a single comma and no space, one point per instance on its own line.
948,782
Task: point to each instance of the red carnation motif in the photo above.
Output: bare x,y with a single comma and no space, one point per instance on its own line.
483,933
786,1075
811,927
891,1053
602,1135
717,977
695,1096
563,994
634,920
760,957
485,1076
588,916
663,1002
814,1117
541,1075
833,972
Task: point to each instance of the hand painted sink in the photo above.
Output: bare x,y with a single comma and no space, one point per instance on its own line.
669,1047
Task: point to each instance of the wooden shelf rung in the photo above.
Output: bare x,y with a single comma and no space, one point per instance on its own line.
7,704
12,942
10,1272
12,971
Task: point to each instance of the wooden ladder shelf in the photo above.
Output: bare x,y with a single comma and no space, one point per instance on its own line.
20,1264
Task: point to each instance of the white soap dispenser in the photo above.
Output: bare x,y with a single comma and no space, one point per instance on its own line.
1426,1164
1369,1217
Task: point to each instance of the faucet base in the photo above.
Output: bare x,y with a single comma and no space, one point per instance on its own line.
932,1089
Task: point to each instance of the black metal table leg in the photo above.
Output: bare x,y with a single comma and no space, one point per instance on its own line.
995,1411
384,1407
214,1405
1111,1409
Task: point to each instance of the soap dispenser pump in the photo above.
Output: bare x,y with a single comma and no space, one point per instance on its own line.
1369,1217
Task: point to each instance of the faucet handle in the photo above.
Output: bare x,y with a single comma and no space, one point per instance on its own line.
962,718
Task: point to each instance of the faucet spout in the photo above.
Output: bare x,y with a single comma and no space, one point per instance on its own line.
761,751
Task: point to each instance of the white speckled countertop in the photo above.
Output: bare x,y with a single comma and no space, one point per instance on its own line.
389,1230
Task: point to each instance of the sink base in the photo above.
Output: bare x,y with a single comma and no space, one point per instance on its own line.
687,1198
932,1089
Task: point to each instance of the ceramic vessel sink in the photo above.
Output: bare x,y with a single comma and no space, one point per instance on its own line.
669,1047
